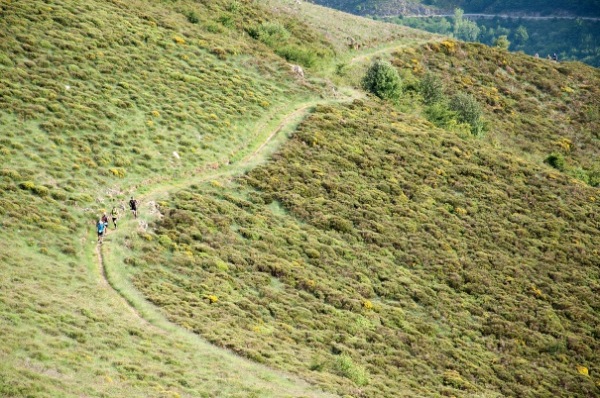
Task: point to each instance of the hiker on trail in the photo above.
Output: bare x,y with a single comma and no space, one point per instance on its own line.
114,213
105,221
133,206
555,57
100,227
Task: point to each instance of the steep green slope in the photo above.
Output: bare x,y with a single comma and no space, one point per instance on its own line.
368,257
100,99
379,256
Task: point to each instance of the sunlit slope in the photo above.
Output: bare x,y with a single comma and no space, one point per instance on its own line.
100,99
374,256
65,333
109,90
400,257
535,107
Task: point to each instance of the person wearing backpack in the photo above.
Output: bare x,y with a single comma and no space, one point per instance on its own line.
100,228
114,213
133,206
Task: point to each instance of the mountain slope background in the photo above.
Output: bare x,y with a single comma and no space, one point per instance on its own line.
398,7
532,27
374,254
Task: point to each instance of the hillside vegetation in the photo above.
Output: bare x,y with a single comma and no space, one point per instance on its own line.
99,99
385,249
378,255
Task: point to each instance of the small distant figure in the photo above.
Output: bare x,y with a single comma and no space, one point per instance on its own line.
133,206
105,221
537,55
297,70
100,228
114,214
549,57
555,57
353,44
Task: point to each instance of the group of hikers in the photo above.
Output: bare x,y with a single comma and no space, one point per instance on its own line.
102,223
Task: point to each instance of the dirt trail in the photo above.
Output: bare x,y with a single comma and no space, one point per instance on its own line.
280,127
225,170
390,48
105,283
108,280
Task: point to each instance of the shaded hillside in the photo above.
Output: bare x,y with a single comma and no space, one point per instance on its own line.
380,256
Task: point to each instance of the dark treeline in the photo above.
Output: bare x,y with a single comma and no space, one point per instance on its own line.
542,7
587,8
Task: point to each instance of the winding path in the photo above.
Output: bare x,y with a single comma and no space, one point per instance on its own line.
112,278
147,313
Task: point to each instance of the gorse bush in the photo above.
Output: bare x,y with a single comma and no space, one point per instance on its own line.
345,367
383,80
297,54
439,114
556,160
192,17
270,33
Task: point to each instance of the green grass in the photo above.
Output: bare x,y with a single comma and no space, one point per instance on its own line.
64,333
96,98
362,249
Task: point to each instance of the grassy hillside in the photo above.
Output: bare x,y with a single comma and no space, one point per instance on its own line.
373,255
377,255
99,100
535,106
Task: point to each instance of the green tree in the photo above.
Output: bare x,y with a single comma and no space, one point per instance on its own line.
463,28
502,42
382,79
468,110
439,114
521,35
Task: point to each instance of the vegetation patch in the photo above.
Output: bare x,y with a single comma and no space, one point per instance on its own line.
405,255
